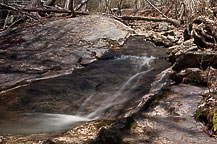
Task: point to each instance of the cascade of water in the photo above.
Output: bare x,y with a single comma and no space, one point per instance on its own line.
99,101
85,102
130,82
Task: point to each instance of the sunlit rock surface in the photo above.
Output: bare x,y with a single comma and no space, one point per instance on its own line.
171,120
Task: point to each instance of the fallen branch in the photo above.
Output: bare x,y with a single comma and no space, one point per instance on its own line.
170,8
156,9
118,19
46,10
17,10
53,10
169,20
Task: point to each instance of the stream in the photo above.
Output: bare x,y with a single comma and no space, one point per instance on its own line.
105,89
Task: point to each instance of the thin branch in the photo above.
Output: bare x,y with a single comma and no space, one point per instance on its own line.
17,10
156,9
54,10
46,10
6,21
17,20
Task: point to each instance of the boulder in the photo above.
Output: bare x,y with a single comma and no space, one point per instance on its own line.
56,48
189,55
190,76
177,50
195,60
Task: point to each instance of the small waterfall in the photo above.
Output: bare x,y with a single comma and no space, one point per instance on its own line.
114,99
139,61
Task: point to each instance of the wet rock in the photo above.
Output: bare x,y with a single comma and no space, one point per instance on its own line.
56,47
191,76
115,133
48,142
195,60
195,76
170,120
177,50
189,55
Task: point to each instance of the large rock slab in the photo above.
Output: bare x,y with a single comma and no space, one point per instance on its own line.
56,48
171,120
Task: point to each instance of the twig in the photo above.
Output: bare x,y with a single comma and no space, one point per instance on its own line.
17,19
54,10
18,10
6,21
156,9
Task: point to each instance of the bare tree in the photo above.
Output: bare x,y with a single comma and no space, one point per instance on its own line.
135,8
120,7
49,2
69,5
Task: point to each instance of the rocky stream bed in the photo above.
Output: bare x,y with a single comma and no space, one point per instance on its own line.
91,79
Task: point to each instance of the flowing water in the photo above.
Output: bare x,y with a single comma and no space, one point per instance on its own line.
105,89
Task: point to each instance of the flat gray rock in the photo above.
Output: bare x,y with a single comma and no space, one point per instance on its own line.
56,48
172,120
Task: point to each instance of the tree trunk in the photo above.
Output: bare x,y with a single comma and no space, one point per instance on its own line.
84,2
107,2
49,2
120,7
69,5
135,9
